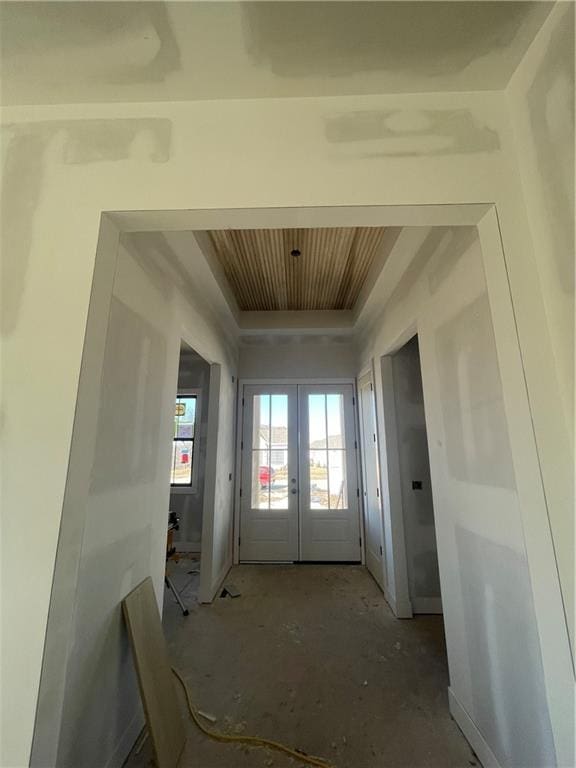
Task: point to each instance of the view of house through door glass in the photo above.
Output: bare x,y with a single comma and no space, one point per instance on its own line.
269,475
299,498
326,451
329,504
270,451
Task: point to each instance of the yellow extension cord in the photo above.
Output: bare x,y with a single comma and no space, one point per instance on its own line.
251,741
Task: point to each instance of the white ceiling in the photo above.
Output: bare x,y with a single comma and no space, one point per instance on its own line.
66,52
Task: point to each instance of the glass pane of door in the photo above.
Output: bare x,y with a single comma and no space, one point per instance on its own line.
329,503
337,485
269,490
326,451
318,475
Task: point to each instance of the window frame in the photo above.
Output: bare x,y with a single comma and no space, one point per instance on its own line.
192,486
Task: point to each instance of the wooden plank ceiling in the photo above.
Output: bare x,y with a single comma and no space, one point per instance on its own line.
328,273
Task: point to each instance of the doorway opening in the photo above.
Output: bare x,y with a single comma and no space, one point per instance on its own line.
416,485
187,476
299,496
459,291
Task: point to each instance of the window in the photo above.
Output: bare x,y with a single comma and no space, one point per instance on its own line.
183,443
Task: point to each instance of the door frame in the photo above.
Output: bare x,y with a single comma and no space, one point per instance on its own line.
210,580
366,378
518,318
403,603
238,462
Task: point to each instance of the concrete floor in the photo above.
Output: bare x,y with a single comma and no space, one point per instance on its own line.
310,655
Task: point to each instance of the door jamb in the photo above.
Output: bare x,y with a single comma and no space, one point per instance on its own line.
359,474
238,472
365,378
207,590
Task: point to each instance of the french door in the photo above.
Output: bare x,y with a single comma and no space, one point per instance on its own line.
299,490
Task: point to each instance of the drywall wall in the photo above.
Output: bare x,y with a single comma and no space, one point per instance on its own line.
417,504
64,165
187,503
126,512
287,357
486,590
541,105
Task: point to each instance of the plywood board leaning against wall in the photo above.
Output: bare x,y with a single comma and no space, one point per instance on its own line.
154,674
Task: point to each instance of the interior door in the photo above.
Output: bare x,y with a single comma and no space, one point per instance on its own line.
329,503
373,528
269,487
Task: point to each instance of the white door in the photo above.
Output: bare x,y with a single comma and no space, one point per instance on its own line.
269,486
372,505
299,496
329,492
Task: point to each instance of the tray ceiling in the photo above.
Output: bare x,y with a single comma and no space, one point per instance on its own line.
297,269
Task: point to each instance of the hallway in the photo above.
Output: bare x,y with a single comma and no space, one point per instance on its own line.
311,655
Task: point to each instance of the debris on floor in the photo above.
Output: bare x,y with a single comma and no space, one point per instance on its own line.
244,666
238,739
229,590
207,716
